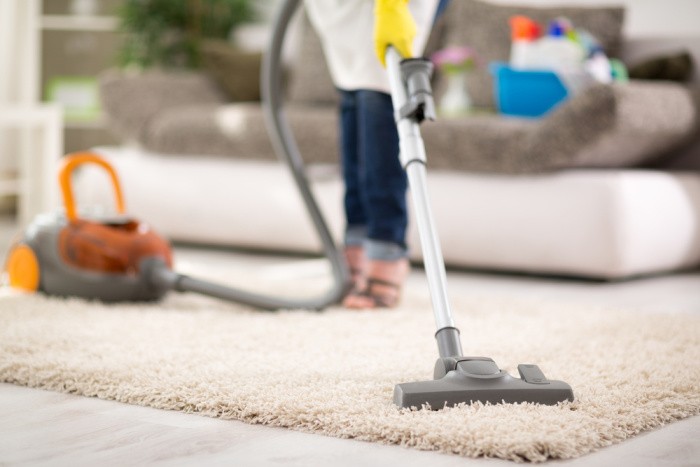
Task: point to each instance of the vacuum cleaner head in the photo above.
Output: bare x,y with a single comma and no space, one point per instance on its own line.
478,379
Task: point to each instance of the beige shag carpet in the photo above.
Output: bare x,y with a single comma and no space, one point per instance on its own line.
333,373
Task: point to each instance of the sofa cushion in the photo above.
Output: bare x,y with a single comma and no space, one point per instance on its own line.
593,223
236,71
651,119
678,66
484,27
604,126
239,131
132,101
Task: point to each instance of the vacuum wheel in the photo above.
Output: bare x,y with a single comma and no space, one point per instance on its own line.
22,267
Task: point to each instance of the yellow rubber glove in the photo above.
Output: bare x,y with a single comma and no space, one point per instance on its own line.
393,25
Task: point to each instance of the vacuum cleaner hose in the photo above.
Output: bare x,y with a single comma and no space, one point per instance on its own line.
288,152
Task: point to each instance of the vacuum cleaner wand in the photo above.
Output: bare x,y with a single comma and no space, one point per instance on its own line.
457,379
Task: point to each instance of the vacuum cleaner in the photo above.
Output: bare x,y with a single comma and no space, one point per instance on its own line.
457,378
120,258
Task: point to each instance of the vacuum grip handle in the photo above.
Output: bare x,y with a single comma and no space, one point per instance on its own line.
68,164
393,61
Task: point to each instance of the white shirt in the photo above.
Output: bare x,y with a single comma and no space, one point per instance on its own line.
346,31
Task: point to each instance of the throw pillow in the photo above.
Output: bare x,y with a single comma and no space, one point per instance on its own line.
676,67
237,72
484,27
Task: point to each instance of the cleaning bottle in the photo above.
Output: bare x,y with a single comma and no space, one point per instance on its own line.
524,34
557,51
599,67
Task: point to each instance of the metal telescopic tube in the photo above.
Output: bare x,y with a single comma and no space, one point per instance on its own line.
413,159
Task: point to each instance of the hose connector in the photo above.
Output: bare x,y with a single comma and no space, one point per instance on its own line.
416,74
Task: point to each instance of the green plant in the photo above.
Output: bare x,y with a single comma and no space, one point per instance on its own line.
167,33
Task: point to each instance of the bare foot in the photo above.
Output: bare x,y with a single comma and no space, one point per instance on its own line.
383,286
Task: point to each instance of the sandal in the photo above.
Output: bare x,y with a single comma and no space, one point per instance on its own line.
383,286
357,263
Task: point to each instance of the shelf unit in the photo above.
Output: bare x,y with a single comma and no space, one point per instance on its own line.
9,186
38,40
77,45
35,184
79,23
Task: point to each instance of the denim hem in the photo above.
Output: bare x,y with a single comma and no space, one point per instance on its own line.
355,235
384,251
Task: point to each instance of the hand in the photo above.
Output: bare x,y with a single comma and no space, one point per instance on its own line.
393,25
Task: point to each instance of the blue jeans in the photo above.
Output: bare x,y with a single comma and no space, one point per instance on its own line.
375,182
441,7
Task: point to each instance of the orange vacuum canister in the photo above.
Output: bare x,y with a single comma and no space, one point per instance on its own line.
63,254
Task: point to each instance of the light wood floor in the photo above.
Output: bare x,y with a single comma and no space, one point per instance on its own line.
45,428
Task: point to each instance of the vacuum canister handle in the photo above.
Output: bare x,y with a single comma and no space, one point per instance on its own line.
70,163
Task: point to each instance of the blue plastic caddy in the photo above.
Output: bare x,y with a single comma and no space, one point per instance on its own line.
526,93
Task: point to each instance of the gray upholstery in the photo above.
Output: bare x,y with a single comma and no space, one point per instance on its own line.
604,126
239,130
133,101
310,80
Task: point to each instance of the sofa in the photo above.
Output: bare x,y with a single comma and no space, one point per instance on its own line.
605,186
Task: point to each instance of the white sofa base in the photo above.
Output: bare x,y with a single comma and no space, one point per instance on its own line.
593,223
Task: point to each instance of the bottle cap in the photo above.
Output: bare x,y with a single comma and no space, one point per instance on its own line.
523,28
557,29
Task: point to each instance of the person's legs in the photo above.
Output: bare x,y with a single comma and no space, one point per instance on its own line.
383,187
384,180
441,8
351,167
356,219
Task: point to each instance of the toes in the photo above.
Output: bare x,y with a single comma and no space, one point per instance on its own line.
357,301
